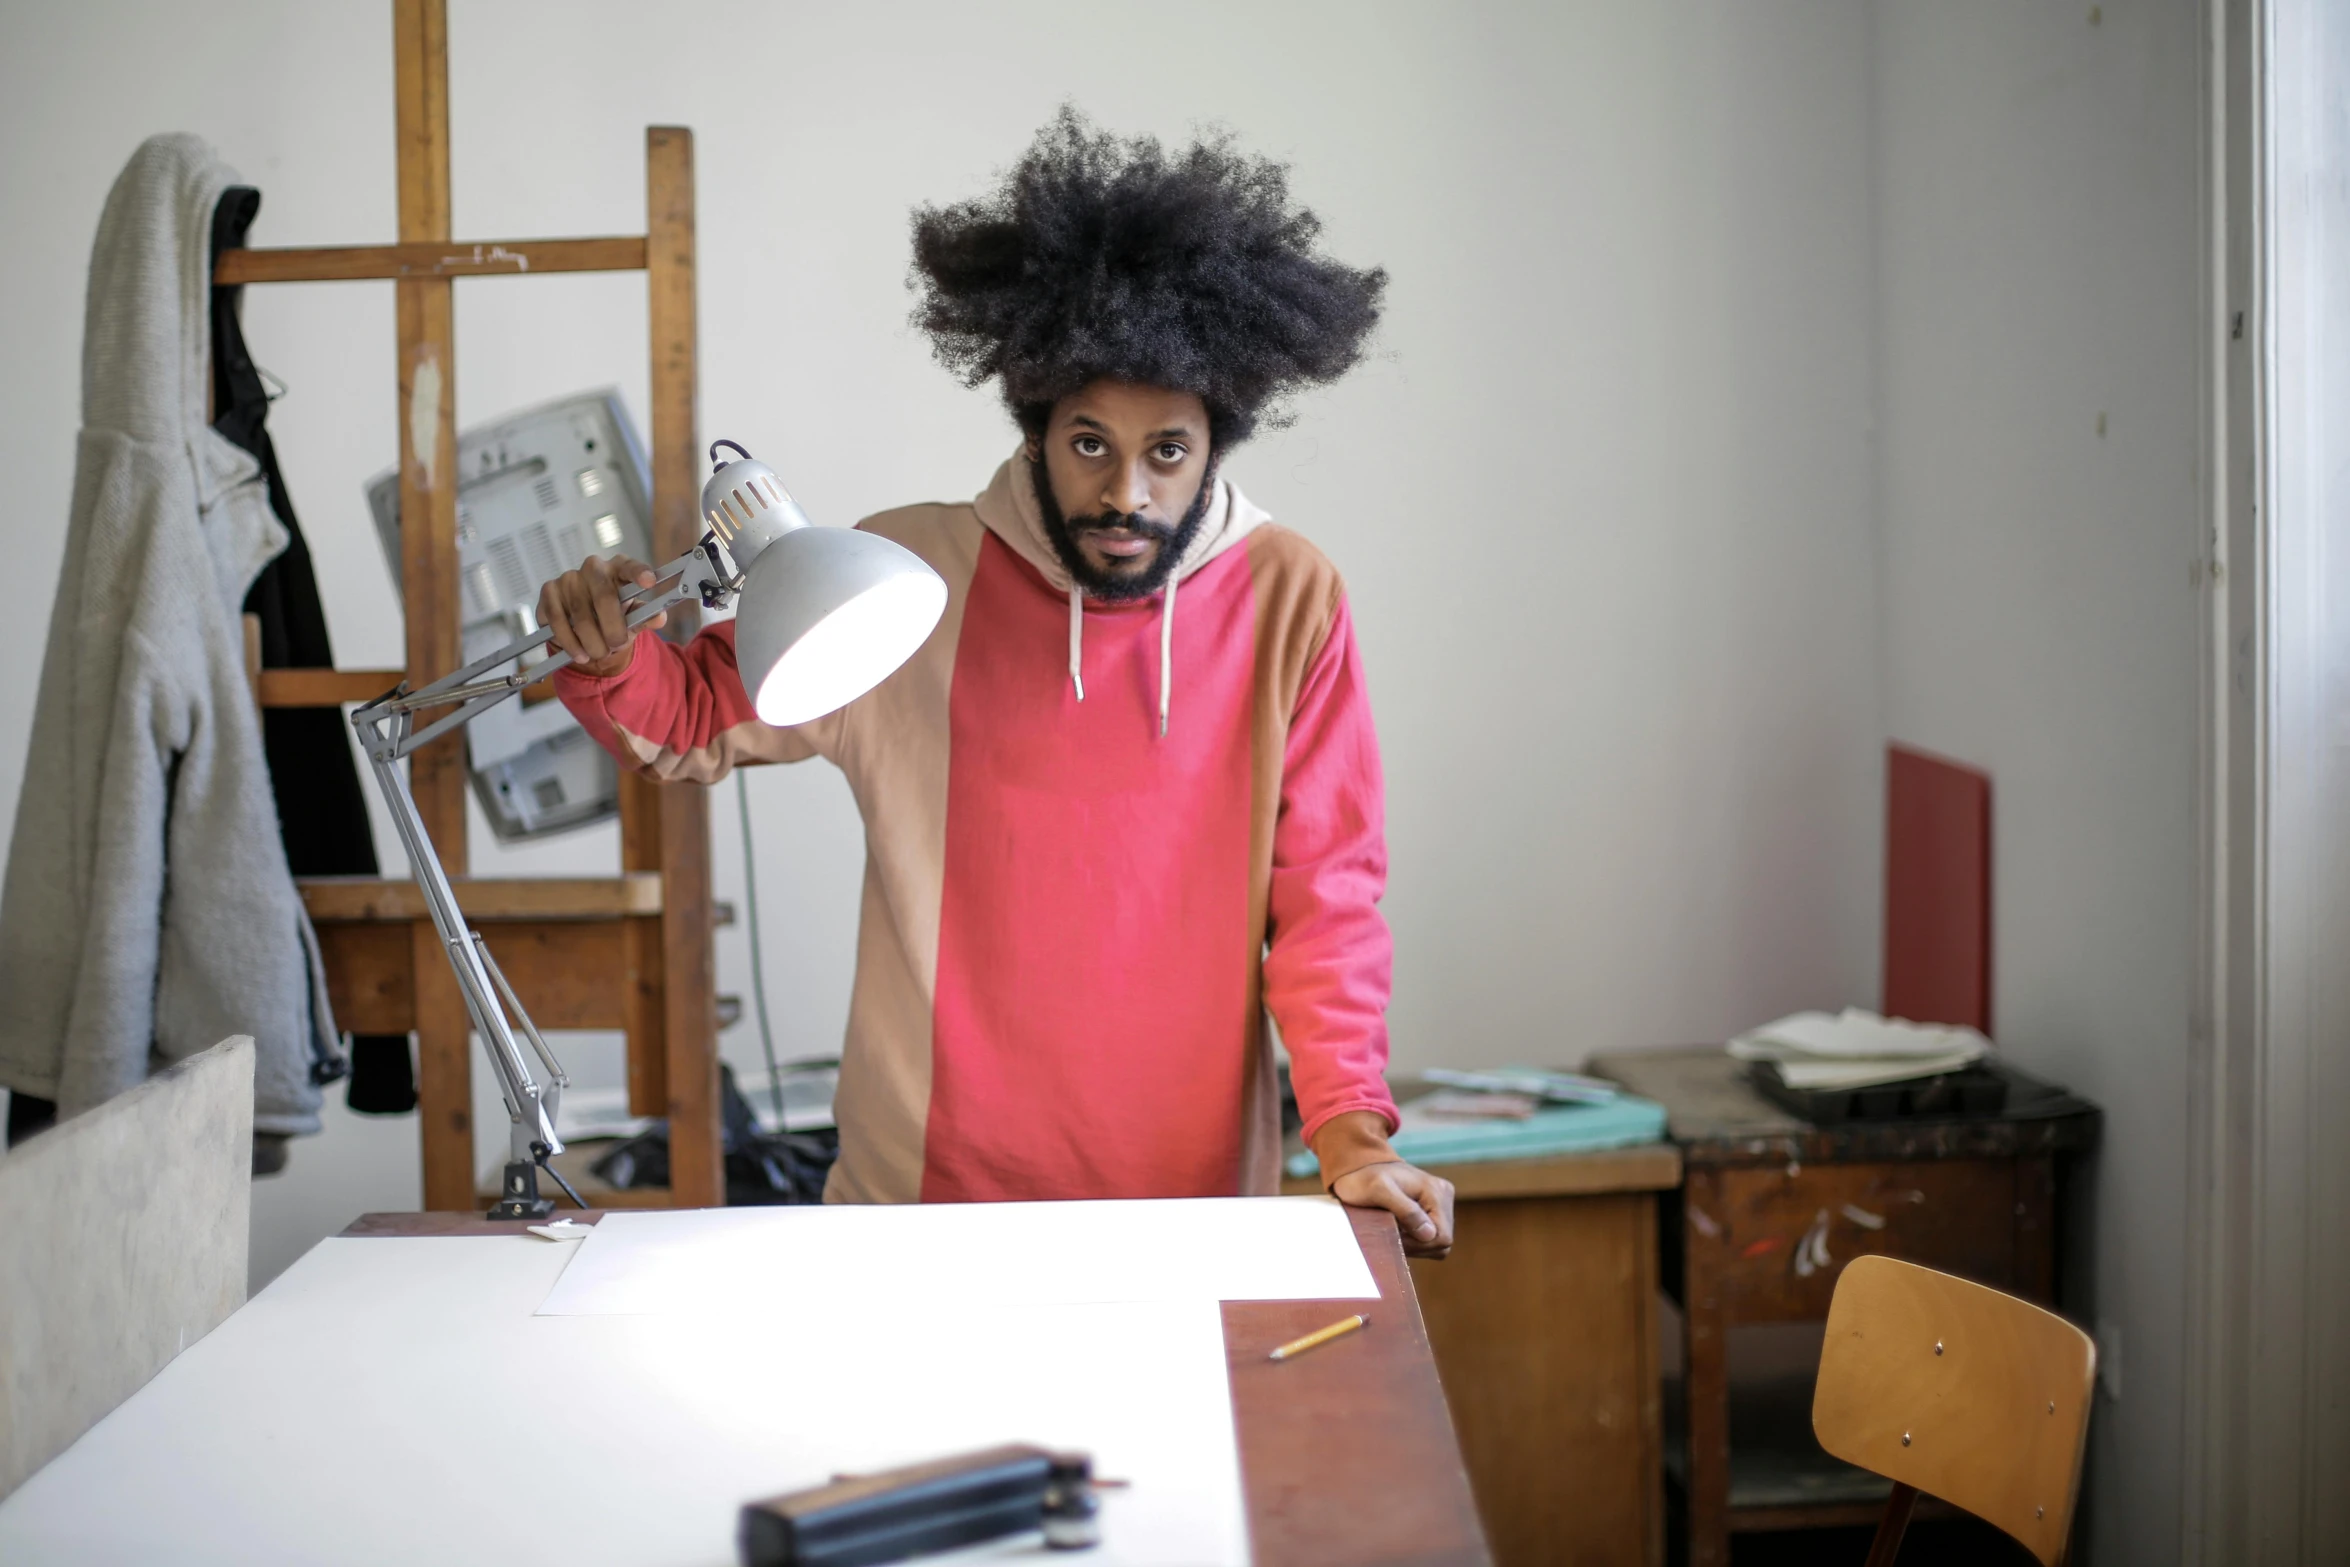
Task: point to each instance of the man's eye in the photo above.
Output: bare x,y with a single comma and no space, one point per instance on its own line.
1170,452
1089,446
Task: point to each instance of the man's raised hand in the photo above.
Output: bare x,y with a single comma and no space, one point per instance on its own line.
581,613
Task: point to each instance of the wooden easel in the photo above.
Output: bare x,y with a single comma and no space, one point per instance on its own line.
629,952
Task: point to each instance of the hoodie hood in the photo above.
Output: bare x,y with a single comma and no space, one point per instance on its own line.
147,345
1009,509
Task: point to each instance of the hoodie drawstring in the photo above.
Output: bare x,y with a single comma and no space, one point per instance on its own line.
1166,654
1166,648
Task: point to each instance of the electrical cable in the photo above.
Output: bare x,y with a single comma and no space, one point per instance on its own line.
547,1165
742,801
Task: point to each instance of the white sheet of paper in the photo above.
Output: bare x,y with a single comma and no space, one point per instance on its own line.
714,1261
397,1401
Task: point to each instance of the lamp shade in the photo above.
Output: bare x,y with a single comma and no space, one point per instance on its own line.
826,615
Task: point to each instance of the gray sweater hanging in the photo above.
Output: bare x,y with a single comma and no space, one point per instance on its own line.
147,912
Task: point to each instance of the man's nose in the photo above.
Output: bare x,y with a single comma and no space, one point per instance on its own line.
1127,492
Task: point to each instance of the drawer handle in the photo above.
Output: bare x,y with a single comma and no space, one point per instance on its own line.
1811,1253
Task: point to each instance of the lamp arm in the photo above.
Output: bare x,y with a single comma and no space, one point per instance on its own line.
387,732
700,573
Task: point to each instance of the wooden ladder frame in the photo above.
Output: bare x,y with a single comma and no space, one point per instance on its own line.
631,952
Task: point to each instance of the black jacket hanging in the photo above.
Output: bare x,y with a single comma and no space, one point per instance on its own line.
321,811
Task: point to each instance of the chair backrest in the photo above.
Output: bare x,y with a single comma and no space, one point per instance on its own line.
1960,1391
123,1239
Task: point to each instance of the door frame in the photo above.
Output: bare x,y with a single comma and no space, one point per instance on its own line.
2266,1422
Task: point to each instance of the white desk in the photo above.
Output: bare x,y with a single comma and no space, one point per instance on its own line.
396,1399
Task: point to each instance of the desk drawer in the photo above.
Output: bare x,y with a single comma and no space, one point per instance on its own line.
1779,1235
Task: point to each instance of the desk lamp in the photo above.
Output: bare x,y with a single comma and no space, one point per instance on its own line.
824,615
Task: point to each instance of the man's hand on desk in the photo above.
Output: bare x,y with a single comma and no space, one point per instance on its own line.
1421,1203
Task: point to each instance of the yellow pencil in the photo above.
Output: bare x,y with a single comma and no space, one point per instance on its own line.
1320,1336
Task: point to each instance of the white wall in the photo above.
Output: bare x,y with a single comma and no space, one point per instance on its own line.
2038,308
1603,496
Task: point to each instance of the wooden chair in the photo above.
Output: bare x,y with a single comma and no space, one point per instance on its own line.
1960,1392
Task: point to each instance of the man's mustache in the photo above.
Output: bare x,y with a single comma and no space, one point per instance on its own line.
1116,522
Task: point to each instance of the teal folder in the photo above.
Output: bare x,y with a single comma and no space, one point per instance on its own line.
1557,1129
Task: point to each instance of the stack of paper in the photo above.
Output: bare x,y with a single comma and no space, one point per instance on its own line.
1858,1049
769,1262
1571,1088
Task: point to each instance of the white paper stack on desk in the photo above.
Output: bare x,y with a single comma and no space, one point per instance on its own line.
841,1259
1858,1049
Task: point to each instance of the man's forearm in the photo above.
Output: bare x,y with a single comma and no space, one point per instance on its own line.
1347,1142
679,712
1359,1168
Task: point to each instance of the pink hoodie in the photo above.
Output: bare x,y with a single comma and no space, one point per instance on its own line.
1074,924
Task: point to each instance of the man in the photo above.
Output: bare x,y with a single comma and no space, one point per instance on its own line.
1104,838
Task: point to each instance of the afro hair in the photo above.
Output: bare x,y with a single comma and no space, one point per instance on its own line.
1102,257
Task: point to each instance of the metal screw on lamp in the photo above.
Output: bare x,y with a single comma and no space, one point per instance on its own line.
824,615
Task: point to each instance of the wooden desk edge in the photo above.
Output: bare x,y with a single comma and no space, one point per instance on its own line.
1347,1454
370,1226
1645,1167
1649,1167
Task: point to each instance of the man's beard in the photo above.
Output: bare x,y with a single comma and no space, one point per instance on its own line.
1173,541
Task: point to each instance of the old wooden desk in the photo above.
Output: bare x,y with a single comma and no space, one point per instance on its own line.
1544,1324
1772,1207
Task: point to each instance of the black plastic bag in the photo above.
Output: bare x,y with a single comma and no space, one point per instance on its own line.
762,1167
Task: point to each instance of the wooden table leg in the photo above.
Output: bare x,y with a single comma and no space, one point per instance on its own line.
2035,1228
1706,1374
1648,1376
